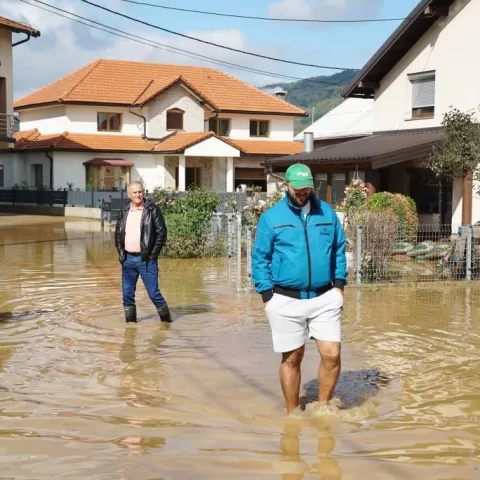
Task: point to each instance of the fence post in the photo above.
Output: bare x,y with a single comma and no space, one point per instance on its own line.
239,236
249,257
230,234
359,255
102,219
469,253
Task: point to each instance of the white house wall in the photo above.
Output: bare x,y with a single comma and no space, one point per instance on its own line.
146,170
70,168
8,161
6,66
175,97
46,120
30,159
83,119
281,128
212,147
450,47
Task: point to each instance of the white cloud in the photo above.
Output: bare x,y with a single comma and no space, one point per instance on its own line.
65,46
325,9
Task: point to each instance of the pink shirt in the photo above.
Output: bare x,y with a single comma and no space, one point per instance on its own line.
133,230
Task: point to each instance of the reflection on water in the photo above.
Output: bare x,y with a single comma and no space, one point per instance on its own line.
83,395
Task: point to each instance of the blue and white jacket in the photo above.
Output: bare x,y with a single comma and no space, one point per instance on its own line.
293,252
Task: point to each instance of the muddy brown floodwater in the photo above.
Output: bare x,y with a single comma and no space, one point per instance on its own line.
84,396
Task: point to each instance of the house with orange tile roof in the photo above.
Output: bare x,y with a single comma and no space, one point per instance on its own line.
168,126
7,120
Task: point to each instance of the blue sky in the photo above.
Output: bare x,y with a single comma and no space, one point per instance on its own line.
65,46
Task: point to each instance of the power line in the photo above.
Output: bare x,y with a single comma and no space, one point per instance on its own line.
271,19
161,46
128,17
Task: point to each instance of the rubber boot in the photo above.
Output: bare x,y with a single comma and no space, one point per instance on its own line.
131,314
164,314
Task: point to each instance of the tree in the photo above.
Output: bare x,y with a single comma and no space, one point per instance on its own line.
458,154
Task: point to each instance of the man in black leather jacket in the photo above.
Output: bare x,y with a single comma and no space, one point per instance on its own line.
140,235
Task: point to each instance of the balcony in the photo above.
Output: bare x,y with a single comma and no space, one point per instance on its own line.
8,127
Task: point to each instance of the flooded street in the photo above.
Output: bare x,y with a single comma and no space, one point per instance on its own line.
83,395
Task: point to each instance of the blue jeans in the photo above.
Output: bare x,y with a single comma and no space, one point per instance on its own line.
132,268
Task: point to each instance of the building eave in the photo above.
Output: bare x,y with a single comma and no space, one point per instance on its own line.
422,17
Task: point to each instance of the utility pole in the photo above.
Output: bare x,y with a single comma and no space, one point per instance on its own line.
313,114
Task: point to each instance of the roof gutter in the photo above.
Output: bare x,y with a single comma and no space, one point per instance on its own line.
22,41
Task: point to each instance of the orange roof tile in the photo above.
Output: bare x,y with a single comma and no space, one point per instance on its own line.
181,140
125,82
268,147
175,143
17,27
83,141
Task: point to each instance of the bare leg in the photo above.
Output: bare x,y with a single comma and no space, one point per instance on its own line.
290,377
329,369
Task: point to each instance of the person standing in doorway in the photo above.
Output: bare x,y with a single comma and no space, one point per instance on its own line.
140,235
299,268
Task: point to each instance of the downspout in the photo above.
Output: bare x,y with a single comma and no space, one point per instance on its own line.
49,156
144,134
22,41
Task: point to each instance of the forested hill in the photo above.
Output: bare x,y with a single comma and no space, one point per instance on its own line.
309,95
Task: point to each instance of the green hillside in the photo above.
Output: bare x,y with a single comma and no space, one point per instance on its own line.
319,96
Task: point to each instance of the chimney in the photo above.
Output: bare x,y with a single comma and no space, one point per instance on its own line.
281,94
308,142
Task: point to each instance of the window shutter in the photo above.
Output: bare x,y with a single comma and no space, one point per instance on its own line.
423,92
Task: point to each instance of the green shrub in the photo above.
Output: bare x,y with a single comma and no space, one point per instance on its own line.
188,217
404,209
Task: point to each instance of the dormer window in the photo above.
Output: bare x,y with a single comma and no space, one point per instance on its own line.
109,122
175,119
423,94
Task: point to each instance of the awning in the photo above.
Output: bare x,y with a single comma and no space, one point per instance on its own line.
381,149
108,162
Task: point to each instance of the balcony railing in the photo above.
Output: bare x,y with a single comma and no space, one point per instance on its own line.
8,127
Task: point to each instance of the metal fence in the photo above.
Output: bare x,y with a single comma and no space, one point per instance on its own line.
376,256
34,196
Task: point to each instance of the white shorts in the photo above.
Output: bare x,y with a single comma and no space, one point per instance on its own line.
294,321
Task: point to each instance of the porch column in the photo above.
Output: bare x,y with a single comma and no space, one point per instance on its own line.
230,174
467,199
181,174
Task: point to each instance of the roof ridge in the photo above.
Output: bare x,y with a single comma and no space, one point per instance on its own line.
93,66
60,137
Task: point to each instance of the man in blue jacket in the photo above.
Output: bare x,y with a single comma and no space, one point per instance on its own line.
299,268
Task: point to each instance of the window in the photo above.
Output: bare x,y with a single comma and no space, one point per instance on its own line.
220,126
259,128
107,178
109,122
1,176
37,174
321,183
423,95
338,188
175,119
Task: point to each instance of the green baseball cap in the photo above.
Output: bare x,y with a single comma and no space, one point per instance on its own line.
299,176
